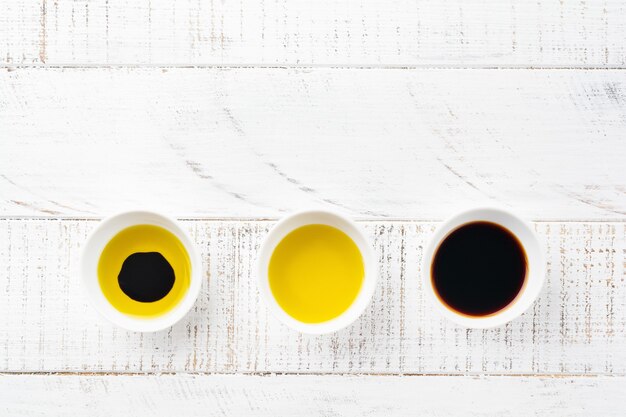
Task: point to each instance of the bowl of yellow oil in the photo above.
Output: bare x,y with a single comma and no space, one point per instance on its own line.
316,271
141,271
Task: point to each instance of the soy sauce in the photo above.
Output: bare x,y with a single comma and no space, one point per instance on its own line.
146,277
479,269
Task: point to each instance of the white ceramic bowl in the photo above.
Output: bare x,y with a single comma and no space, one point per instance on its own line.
535,275
96,242
294,221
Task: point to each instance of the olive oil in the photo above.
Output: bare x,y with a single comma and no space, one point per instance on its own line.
315,273
144,271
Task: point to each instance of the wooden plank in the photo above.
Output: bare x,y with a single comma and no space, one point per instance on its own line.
577,326
250,143
324,32
22,32
288,395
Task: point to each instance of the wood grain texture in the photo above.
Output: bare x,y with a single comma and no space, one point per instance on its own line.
255,143
578,325
324,32
275,396
234,109
21,32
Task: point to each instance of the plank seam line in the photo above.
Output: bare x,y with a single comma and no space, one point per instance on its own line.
10,66
275,219
279,374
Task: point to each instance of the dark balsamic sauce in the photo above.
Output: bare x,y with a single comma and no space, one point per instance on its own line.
479,269
146,277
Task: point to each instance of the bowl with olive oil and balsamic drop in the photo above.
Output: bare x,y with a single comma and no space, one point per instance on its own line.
141,271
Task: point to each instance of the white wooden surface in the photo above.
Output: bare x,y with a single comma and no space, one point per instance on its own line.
578,326
278,396
252,142
228,114
322,32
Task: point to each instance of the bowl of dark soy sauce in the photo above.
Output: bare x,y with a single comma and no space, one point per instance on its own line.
483,267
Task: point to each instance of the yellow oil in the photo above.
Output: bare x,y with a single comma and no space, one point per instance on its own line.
143,238
316,273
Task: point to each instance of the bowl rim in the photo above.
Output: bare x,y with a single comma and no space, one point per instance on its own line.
347,226
88,274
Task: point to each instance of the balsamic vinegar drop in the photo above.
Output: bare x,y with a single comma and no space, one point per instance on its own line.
146,277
